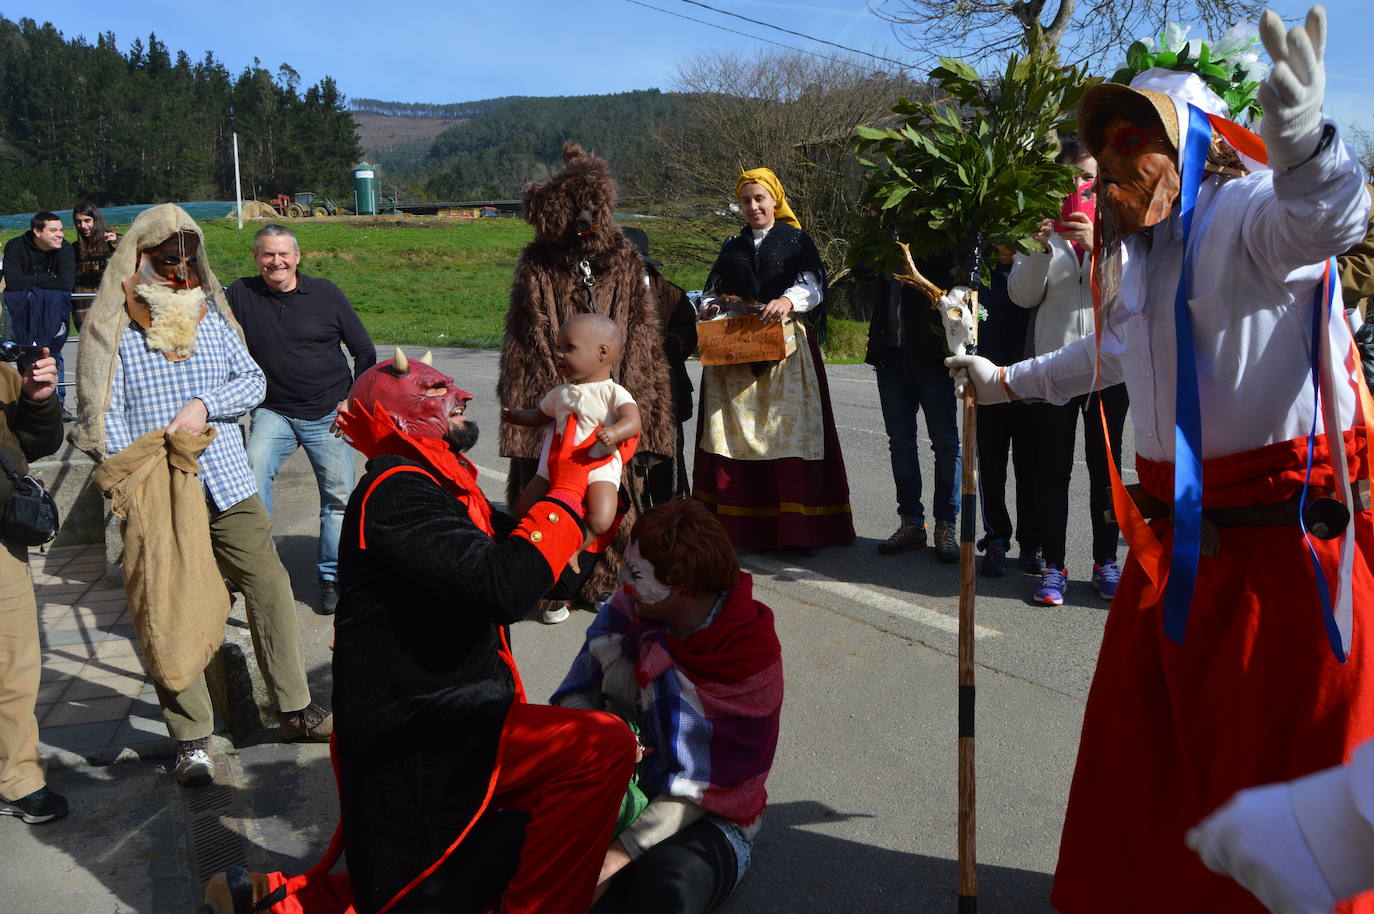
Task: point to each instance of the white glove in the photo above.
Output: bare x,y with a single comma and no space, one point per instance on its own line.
985,377
1256,840
1292,95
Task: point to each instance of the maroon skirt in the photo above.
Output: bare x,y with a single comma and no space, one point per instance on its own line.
771,504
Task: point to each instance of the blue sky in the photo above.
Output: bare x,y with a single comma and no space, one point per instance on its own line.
432,51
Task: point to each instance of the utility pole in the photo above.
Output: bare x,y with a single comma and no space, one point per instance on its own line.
238,188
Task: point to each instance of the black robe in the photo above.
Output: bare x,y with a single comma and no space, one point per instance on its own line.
421,686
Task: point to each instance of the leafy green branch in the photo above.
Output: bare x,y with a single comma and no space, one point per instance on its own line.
972,170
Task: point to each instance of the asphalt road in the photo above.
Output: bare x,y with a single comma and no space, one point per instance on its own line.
862,796
862,809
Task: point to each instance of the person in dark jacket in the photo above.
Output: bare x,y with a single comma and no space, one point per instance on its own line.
30,427
906,345
433,729
293,325
668,478
1003,428
95,245
40,273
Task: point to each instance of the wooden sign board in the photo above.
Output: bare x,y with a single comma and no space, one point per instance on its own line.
733,340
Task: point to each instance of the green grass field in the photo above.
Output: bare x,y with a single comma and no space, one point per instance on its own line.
438,281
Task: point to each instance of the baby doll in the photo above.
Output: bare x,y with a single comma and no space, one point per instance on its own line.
586,349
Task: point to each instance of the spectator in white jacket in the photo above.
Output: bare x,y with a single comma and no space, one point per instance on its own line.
1055,281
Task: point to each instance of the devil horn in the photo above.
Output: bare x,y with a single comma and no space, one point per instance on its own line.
428,357
400,364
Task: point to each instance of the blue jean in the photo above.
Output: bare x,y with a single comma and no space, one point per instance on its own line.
905,387
275,437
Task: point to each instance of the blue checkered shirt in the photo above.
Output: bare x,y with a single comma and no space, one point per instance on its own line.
148,392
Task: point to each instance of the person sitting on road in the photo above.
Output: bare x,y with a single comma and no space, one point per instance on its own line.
684,623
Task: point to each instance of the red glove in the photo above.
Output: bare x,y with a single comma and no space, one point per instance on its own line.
570,464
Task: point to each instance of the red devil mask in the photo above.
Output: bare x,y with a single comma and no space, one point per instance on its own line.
414,393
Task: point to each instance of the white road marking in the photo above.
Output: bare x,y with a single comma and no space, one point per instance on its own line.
866,597
488,473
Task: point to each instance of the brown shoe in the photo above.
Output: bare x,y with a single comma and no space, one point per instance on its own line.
311,722
234,891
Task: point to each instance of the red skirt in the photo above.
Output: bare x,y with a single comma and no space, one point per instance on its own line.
1252,696
771,504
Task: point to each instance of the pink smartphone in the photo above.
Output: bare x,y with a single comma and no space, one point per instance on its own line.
1080,201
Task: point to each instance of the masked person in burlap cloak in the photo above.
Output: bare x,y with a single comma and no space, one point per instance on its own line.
164,377
581,262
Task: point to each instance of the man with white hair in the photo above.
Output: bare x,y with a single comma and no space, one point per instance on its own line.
293,325
1218,316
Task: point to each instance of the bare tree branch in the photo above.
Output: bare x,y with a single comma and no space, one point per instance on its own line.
1095,32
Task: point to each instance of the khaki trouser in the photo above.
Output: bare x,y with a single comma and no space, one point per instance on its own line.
21,772
242,539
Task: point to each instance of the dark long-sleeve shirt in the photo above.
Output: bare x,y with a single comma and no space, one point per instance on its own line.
29,266
294,336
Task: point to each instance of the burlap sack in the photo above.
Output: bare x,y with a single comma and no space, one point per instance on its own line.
176,595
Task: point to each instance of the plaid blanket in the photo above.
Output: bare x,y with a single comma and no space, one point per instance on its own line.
709,705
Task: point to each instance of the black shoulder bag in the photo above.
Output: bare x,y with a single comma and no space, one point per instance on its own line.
30,516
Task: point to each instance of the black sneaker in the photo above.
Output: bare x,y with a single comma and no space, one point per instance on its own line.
194,768
43,805
910,535
329,596
946,541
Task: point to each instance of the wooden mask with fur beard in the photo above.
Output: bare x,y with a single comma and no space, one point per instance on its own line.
1138,182
164,296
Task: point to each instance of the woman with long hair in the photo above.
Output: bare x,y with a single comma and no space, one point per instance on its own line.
95,245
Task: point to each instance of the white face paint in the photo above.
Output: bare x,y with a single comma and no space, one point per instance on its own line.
640,578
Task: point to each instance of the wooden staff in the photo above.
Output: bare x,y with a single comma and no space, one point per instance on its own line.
967,822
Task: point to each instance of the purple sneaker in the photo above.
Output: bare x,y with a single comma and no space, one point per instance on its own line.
1053,580
1105,578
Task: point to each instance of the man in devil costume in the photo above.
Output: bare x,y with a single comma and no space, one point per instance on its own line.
433,728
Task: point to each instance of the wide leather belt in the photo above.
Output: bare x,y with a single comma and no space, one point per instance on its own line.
1274,514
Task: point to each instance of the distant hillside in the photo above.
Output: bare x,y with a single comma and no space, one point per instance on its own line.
381,133
507,142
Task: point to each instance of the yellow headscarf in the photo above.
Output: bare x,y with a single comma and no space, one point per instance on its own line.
769,180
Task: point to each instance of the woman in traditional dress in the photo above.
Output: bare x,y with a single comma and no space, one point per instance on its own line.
768,462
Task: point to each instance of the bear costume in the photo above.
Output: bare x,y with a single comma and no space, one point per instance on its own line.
580,261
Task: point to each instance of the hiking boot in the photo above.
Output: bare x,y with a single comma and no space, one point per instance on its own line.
1106,576
329,596
194,767
234,891
994,563
1053,581
311,722
1032,560
910,535
43,805
946,541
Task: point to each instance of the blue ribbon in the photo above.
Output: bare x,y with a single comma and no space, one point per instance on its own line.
1321,314
1187,542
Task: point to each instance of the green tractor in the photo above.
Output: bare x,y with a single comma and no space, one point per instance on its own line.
308,204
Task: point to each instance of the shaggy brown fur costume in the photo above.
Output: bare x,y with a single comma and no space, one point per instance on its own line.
549,289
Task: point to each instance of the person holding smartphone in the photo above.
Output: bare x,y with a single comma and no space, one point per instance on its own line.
30,428
1055,281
